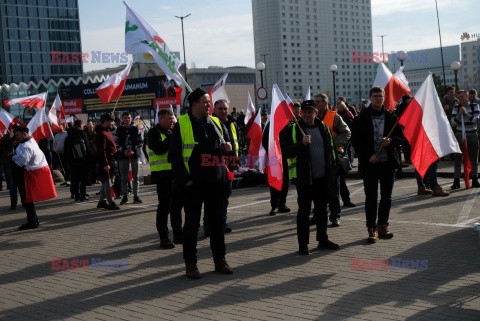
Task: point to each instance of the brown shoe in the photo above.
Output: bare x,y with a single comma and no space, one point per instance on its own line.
423,190
192,272
438,191
383,232
223,267
372,235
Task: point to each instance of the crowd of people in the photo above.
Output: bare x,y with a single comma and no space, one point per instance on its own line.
191,161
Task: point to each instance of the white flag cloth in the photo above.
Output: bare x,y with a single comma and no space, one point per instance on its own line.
112,88
56,113
308,95
140,37
250,110
34,101
218,92
401,76
174,118
38,126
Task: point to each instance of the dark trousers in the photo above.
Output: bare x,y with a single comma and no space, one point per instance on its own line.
344,192
78,180
383,173
211,196
29,207
317,192
279,198
228,193
92,165
165,194
11,184
333,198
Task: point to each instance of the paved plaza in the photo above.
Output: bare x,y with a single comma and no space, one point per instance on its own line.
434,239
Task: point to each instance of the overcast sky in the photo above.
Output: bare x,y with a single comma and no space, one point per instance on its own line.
220,32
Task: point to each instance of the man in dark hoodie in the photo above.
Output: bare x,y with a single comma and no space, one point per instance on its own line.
107,164
77,150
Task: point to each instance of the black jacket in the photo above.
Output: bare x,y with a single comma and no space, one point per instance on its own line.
159,147
228,136
129,138
363,141
302,152
73,132
203,169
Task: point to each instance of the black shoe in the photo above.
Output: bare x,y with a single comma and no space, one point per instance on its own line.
77,198
475,183
166,244
13,207
222,267
336,222
28,226
84,199
192,272
303,251
102,204
327,244
456,183
124,200
283,209
227,229
137,200
348,204
112,206
272,212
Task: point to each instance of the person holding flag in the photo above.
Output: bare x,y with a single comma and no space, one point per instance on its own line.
470,113
129,146
312,169
377,161
107,165
195,152
31,175
158,140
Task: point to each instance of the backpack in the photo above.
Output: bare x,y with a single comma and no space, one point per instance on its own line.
79,150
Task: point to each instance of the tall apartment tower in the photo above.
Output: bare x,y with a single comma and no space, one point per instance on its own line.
30,31
298,40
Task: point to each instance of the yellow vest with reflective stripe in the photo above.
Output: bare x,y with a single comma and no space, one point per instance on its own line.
216,120
188,141
159,163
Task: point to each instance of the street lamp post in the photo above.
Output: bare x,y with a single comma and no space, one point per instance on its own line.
333,69
402,56
455,66
383,52
261,68
183,39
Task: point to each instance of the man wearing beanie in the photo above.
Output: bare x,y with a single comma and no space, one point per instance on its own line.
195,152
312,168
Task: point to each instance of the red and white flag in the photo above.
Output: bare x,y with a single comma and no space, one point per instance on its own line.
39,184
280,115
255,135
401,76
427,128
289,101
8,120
3,128
112,88
394,88
69,120
467,166
130,173
56,115
250,110
218,92
34,101
39,126
112,192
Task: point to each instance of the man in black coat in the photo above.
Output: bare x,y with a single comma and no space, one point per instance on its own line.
312,168
77,153
377,161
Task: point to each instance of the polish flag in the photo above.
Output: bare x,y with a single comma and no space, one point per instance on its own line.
56,115
112,88
130,173
34,101
281,114
9,121
394,88
39,126
110,184
289,101
218,92
427,128
308,95
69,120
467,166
250,110
401,76
255,135
39,184
3,128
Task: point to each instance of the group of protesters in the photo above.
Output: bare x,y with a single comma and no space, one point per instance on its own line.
187,163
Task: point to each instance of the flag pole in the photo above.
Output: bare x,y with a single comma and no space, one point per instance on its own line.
114,107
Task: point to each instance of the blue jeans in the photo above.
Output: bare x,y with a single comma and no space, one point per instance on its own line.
373,174
431,175
13,187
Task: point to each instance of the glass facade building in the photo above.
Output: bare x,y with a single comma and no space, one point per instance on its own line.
31,30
